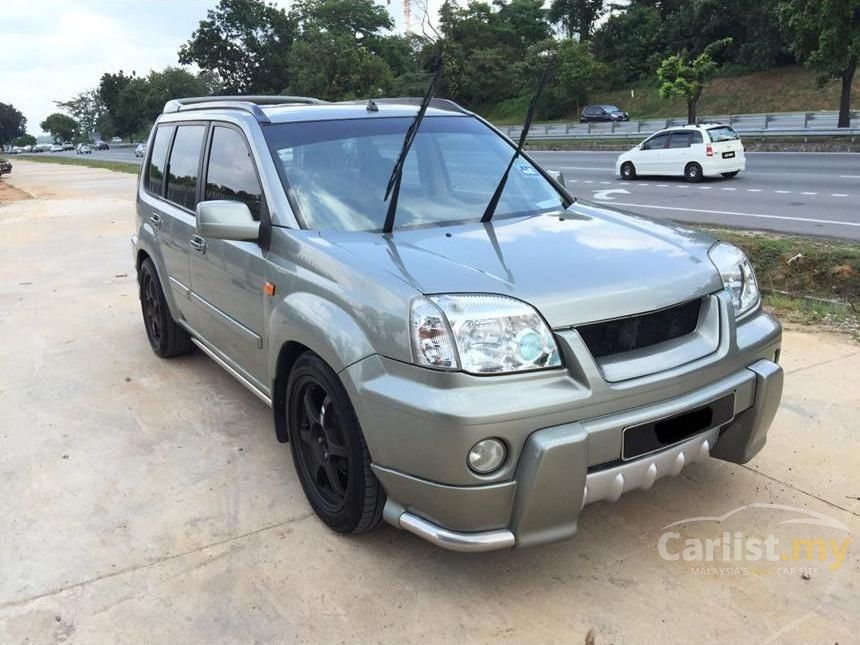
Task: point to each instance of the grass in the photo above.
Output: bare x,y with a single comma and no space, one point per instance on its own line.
118,166
804,281
784,89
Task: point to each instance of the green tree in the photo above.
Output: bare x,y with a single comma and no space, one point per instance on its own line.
679,75
360,19
246,43
576,17
631,42
62,127
13,124
87,108
26,140
171,83
825,34
340,69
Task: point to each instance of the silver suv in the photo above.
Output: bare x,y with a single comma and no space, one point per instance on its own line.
473,373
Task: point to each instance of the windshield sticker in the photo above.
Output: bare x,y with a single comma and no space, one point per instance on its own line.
526,168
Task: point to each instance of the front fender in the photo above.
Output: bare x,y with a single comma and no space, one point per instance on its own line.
321,326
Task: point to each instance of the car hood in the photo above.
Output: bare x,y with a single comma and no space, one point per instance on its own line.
586,264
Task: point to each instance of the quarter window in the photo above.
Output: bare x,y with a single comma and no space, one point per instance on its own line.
231,173
184,162
154,179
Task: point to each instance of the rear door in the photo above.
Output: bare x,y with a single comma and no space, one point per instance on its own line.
725,143
228,276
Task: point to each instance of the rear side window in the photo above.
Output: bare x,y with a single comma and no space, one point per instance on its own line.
722,133
154,179
231,173
656,142
183,165
680,140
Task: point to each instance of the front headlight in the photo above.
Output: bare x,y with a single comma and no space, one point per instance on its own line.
738,276
481,334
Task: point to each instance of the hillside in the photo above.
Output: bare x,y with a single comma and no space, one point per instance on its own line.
785,89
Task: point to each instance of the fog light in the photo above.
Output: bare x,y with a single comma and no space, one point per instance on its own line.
487,455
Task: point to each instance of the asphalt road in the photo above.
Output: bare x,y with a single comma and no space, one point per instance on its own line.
793,192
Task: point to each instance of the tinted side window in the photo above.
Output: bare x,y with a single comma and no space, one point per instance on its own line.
154,179
695,137
680,140
231,172
656,142
184,161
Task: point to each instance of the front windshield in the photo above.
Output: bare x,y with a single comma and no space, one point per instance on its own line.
336,172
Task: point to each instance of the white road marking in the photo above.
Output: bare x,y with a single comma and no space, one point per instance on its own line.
662,185
808,193
704,188
838,195
729,188
758,215
850,176
641,184
606,182
753,190
585,168
604,195
783,192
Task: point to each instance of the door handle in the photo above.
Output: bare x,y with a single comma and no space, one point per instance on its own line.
198,244
155,220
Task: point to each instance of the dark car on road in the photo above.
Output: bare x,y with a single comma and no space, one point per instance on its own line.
603,113
5,167
101,145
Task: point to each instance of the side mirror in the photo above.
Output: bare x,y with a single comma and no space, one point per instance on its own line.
557,175
226,220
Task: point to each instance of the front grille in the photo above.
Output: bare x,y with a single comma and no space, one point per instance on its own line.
644,330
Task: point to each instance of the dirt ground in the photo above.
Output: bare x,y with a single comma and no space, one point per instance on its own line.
147,501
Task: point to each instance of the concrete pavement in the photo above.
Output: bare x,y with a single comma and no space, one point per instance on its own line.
148,501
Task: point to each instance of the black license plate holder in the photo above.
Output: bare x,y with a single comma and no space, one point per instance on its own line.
645,438
728,155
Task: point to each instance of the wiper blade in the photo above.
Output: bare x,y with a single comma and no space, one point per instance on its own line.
393,188
497,194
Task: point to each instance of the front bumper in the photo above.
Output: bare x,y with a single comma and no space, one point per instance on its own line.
564,433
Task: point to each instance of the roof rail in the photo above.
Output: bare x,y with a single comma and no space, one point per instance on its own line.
439,104
249,103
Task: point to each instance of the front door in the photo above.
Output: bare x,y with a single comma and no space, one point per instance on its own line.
652,156
227,276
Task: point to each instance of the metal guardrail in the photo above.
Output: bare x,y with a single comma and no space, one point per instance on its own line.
814,124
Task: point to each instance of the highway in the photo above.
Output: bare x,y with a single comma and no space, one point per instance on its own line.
793,192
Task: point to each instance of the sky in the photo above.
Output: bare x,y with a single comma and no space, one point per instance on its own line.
53,49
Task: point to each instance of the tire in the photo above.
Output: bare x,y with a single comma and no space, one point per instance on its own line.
166,338
729,175
329,450
628,170
693,172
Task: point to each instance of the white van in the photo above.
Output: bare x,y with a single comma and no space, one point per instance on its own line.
691,151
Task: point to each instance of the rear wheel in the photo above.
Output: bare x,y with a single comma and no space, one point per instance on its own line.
166,338
329,451
628,170
693,172
729,175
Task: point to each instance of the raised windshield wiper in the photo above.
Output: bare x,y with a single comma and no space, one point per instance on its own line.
393,188
497,194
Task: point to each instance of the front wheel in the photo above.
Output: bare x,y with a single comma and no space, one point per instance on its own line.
329,450
693,173
628,170
729,175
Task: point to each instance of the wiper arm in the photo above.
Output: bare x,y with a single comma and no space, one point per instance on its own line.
497,194
393,188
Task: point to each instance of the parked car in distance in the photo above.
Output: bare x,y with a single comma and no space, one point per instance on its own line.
602,113
116,140
42,147
83,149
56,148
5,167
101,145
140,150
68,145
469,360
691,151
